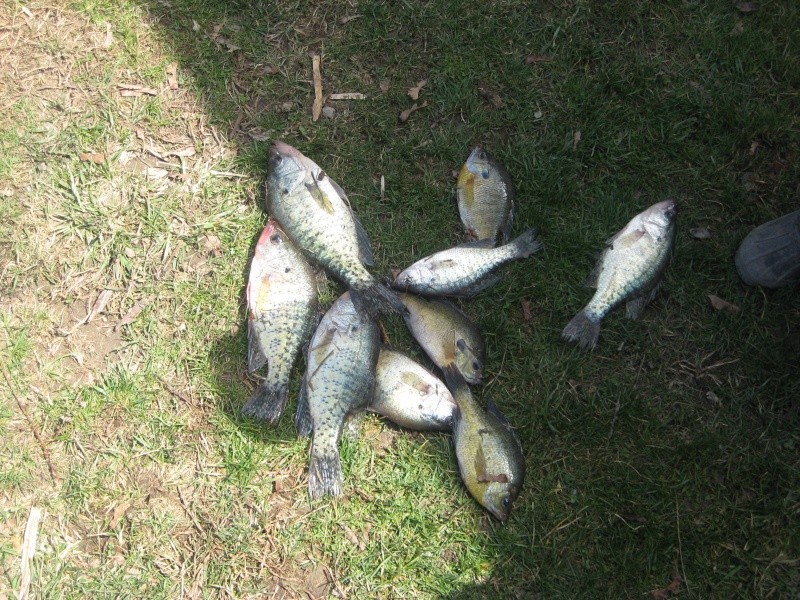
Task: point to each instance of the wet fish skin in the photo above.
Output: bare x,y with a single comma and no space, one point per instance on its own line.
629,270
466,269
314,212
410,395
489,454
485,193
446,334
339,380
282,310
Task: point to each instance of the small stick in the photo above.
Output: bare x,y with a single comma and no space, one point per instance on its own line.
28,550
316,110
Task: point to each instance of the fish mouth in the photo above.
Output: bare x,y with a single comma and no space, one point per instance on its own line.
279,148
474,156
668,207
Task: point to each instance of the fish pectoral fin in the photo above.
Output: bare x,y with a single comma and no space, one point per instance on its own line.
594,275
628,240
487,478
634,308
415,382
480,469
319,196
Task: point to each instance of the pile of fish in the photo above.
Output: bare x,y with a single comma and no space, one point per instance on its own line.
349,369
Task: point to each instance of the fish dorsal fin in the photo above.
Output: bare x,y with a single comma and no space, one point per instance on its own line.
484,243
594,275
364,247
339,191
415,382
491,408
318,195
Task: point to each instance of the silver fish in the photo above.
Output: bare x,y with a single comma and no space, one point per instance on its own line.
485,197
339,380
410,395
314,212
466,269
629,270
281,312
489,454
446,334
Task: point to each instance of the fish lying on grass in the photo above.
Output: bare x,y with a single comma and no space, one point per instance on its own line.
446,334
314,212
488,452
281,312
466,269
410,395
485,197
629,270
339,379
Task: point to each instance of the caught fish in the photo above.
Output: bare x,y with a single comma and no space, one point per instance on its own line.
409,395
314,212
339,380
488,452
485,197
446,334
281,312
466,269
629,270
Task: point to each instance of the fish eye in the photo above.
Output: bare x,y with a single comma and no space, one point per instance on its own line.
485,174
461,345
506,502
321,176
275,238
482,155
476,366
285,191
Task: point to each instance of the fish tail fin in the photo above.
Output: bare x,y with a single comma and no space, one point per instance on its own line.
324,473
377,299
583,331
268,403
526,244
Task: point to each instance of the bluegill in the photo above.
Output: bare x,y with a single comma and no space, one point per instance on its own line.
488,452
281,312
410,395
339,380
314,212
446,334
629,270
466,269
485,197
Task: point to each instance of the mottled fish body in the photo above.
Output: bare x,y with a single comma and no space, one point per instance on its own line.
446,334
489,454
314,212
466,269
629,270
281,312
485,197
339,380
410,395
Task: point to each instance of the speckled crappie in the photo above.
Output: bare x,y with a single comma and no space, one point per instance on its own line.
281,312
485,197
629,270
466,269
446,334
339,379
410,395
488,452
314,212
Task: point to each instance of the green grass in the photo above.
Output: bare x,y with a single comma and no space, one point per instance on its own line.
674,446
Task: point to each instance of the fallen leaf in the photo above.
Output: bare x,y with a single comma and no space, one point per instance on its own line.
384,85
347,18
127,90
738,29
533,59
409,111
720,304
172,75
109,39
746,7
672,588
576,138
133,312
347,96
526,310
350,536
99,305
700,233
195,25
713,398
414,91
755,145
491,96
316,109
119,512
211,244
97,158
538,114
